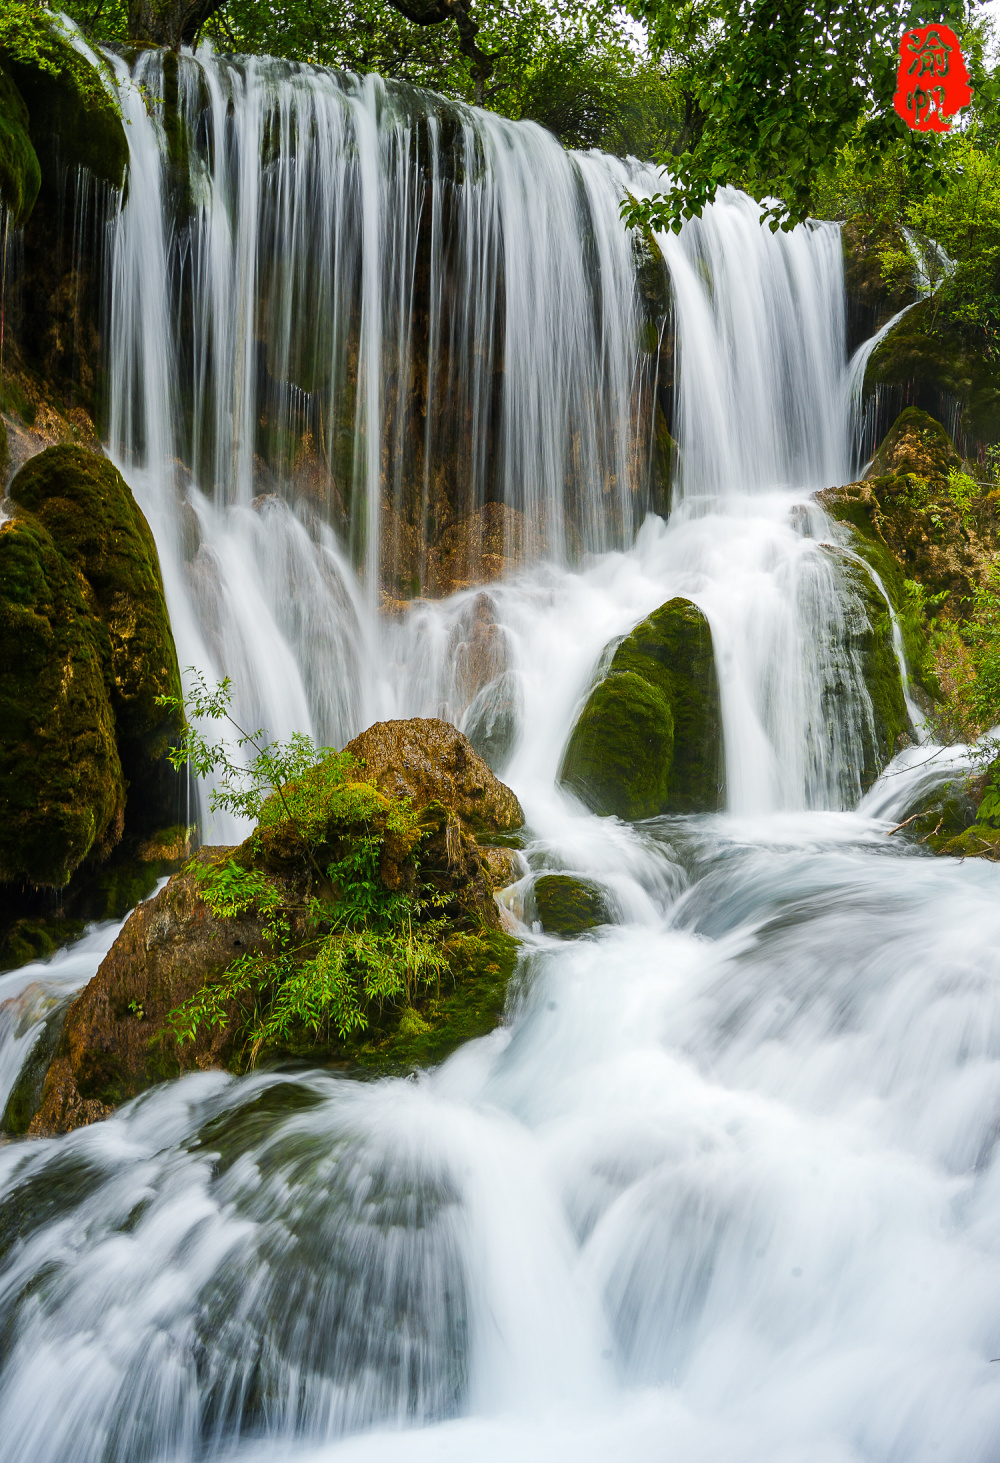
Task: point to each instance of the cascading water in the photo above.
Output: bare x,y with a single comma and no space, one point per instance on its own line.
724,1186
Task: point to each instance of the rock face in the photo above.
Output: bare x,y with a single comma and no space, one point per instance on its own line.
85,650
114,1043
649,739
428,760
62,792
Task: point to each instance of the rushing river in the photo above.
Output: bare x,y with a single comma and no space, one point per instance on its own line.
723,1188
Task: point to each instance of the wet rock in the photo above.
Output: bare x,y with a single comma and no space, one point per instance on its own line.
569,906
649,739
111,1048
428,760
502,864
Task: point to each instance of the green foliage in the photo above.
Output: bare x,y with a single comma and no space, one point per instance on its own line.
349,945
984,636
779,87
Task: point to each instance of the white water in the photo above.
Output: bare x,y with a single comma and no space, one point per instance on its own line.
724,1186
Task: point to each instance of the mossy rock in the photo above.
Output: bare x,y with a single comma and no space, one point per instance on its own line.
20,175
649,739
868,640
929,356
4,449
87,507
73,120
569,906
26,1095
62,791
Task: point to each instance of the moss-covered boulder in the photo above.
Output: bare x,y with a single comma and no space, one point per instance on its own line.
116,1040
62,791
20,175
73,119
88,509
649,739
569,906
427,760
932,360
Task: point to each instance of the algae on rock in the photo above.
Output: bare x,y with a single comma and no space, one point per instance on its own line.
649,739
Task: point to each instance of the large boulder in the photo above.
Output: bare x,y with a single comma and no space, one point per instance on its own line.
62,792
88,509
116,1040
649,739
428,760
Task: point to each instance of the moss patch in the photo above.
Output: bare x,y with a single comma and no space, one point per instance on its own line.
569,906
20,175
87,507
649,739
62,791
73,120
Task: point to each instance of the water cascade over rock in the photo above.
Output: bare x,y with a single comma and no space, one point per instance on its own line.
723,1184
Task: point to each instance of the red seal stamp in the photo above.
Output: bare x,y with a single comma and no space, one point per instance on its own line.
932,83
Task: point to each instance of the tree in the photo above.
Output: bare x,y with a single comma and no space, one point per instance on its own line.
778,87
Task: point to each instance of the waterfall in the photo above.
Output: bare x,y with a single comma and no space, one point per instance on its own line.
723,1185
345,316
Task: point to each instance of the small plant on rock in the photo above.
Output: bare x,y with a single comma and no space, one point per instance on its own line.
330,871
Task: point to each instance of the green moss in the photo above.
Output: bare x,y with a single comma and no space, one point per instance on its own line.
62,791
568,906
73,120
4,449
20,175
27,940
649,739
481,967
86,505
925,353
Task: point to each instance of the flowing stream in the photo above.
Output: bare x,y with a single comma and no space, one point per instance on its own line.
723,1187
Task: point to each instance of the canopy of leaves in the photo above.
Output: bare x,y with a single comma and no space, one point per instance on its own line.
778,87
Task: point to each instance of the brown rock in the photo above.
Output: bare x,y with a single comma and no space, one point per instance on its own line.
502,864
429,760
109,1049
